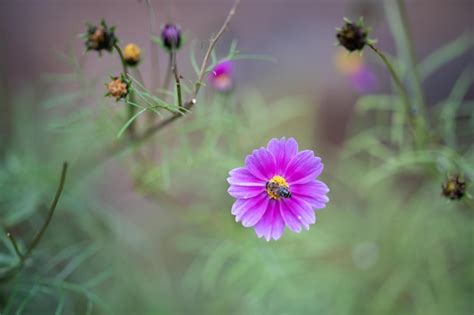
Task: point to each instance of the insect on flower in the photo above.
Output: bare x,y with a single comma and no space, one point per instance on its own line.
277,187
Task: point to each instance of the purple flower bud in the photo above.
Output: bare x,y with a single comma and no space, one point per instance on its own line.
171,36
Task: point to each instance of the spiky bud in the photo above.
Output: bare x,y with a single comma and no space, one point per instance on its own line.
454,188
353,36
118,87
100,37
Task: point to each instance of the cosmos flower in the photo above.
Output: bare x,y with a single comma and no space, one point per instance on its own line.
277,187
221,76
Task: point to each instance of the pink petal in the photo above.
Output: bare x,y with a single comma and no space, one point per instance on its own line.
242,177
261,164
244,192
283,151
303,167
241,206
254,212
313,193
271,225
291,220
302,210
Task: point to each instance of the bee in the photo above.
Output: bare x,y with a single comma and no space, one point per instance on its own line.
278,190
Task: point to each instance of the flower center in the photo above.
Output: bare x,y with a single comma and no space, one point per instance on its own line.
277,188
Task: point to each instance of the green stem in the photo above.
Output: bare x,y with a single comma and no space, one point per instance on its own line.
418,89
398,83
169,71
34,243
131,108
15,246
398,21
176,77
52,208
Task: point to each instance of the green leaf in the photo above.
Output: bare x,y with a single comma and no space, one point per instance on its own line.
129,122
448,112
444,55
376,102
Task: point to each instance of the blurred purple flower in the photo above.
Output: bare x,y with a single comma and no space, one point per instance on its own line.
221,76
363,80
278,187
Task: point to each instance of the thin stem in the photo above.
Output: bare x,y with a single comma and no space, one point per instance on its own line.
34,243
52,208
131,109
212,44
176,77
15,246
412,56
122,59
169,71
395,77
154,48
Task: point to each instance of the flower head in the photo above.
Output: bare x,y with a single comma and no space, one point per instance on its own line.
132,54
221,76
454,188
100,37
277,187
171,36
353,36
118,87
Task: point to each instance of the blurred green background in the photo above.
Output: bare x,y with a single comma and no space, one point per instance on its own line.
134,236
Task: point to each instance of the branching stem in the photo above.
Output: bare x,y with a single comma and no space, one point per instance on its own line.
34,243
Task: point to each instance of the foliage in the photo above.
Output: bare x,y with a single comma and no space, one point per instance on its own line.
388,243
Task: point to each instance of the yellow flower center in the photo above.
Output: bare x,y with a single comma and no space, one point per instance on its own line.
274,185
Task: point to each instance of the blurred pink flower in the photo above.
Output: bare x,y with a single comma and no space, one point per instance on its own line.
221,76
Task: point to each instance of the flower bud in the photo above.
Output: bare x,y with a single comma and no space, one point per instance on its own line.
171,36
100,37
353,36
454,188
118,87
132,54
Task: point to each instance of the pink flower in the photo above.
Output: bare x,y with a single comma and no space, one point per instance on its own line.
278,187
221,76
